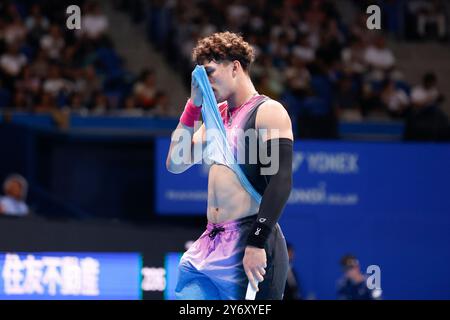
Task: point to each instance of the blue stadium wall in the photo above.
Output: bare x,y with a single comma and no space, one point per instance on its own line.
386,203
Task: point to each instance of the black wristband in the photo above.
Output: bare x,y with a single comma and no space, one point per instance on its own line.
258,235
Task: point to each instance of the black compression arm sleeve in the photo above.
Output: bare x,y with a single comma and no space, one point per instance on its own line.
276,194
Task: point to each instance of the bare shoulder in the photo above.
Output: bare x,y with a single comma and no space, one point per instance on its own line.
273,115
272,111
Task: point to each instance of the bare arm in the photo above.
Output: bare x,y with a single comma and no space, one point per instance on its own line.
273,117
185,148
186,145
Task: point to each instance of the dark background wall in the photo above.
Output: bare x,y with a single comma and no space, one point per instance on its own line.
82,175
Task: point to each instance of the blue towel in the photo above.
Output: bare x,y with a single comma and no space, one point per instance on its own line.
218,148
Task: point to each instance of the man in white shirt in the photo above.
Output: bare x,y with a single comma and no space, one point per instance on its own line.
53,43
13,61
427,121
94,23
426,94
15,190
379,56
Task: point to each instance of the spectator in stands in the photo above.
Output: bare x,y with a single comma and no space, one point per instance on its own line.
353,57
13,203
267,86
28,82
297,76
352,285
91,81
304,50
145,90
395,100
40,64
15,32
358,29
46,102
53,43
237,14
77,105
37,24
292,290
12,62
427,94
130,107
346,99
270,80
162,104
331,43
378,56
68,59
55,83
22,101
94,22
100,104
427,121
315,17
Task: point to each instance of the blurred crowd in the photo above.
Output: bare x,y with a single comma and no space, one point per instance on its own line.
44,66
321,68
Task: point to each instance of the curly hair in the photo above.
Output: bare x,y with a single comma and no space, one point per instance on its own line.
224,46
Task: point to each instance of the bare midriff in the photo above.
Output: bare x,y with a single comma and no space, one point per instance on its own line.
227,199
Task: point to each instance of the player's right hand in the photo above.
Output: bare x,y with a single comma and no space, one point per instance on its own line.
196,93
255,264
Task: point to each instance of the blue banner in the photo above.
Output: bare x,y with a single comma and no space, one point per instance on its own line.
332,177
70,276
386,203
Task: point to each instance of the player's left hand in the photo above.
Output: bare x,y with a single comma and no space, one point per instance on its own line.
255,263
